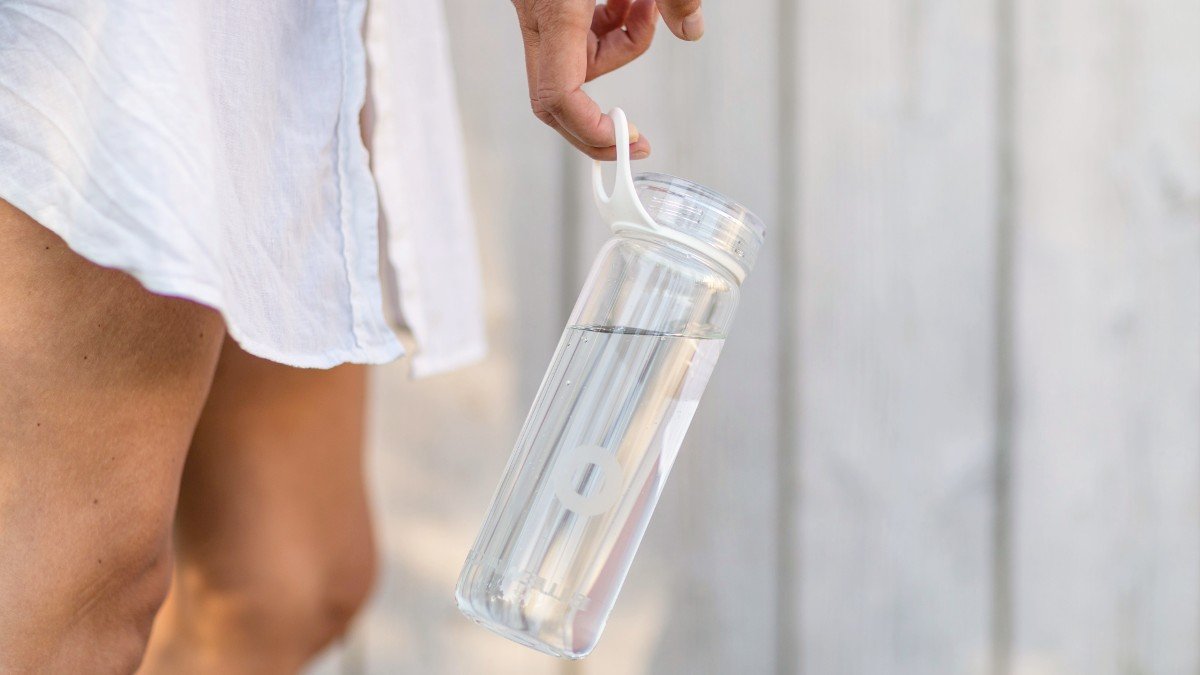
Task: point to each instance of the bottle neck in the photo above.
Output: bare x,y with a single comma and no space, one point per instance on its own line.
714,258
702,219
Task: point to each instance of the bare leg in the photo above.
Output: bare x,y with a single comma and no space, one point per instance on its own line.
275,553
101,383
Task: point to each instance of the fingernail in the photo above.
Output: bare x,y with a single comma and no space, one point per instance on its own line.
640,154
633,133
693,25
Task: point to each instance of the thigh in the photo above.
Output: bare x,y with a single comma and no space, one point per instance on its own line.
101,384
273,500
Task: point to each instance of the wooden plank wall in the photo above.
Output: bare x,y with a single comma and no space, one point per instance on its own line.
956,428
895,285
1106,339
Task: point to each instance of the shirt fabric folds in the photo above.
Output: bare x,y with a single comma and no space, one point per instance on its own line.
214,151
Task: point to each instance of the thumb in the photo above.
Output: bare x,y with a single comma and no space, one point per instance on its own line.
683,17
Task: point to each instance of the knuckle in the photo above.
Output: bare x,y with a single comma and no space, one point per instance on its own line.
551,100
540,112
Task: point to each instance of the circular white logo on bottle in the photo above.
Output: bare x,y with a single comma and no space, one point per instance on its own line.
600,500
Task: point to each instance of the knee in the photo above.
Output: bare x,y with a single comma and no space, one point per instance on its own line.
293,602
67,611
341,592
313,599
137,594
120,603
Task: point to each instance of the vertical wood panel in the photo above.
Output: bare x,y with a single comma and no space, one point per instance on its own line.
894,203
330,662
895,427
1107,337
438,446
701,595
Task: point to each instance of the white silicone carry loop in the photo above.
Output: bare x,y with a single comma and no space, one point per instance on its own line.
622,209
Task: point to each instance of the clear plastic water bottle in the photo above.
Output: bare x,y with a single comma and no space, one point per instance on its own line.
612,411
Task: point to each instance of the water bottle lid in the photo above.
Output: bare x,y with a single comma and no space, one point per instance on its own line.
678,210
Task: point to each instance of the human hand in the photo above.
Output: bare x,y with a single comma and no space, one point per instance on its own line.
569,42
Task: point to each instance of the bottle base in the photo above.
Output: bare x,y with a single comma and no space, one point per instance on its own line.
518,636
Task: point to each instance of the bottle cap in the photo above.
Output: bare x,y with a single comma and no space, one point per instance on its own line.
678,210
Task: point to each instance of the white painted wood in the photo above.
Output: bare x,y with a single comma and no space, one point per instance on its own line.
330,662
896,199
701,596
438,446
1107,337
891,197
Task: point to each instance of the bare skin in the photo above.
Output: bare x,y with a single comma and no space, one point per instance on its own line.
275,553
104,391
101,384
570,42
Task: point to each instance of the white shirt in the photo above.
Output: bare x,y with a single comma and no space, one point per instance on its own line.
213,150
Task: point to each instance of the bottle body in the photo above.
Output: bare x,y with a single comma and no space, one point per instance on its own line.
597,446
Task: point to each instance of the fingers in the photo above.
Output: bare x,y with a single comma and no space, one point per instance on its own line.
558,56
615,48
638,149
610,16
561,70
595,141
683,17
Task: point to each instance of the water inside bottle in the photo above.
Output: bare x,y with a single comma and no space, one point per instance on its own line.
605,427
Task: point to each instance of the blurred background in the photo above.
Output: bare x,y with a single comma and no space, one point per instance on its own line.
956,427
